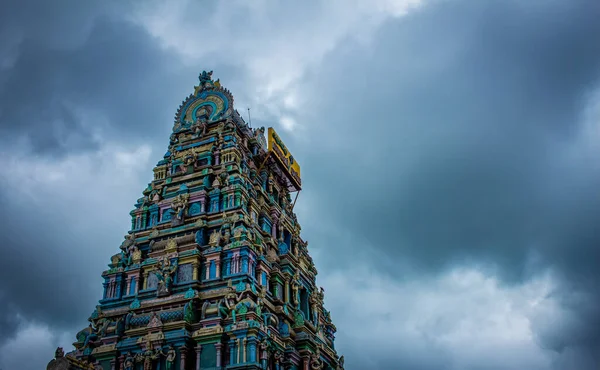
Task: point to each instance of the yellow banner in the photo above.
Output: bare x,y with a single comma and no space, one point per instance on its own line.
278,148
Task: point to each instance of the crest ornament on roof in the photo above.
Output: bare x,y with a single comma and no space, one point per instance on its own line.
209,103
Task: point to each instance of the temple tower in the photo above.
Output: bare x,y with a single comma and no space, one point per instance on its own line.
214,273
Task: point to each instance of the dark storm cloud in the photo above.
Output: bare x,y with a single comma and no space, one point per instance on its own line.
69,68
70,71
76,72
39,277
460,132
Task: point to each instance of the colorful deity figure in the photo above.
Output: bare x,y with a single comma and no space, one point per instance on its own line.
205,77
129,252
165,276
314,305
260,299
148,358
278,357
201,124
215,238
228,304
129,362
179,207
296,289
170,360
264,353
316,363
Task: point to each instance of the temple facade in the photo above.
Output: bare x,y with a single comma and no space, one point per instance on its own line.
214,273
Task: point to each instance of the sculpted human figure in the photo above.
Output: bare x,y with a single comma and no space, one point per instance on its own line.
226,237
295,289
315,361
129,363
200,125
205,77
215,238
148,357
264,355
170,361
179,205
227,305
165,276
262,294
314,305
278,357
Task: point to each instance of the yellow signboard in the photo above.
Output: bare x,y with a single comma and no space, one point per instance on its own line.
283,155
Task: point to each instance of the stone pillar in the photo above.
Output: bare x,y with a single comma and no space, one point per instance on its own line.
137,283
122,362
245,348
195,271
146,279
232,352
182,353
239,349
286,294
306,363
202,205
252,350
218,348
118,285
218,266
274,229
128,285
198,356
113,364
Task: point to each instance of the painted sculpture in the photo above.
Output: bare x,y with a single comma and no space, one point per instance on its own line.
214,273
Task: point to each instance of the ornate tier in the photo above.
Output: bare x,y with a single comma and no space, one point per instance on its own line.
214,273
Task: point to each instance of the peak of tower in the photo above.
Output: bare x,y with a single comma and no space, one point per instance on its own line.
213,273
209,103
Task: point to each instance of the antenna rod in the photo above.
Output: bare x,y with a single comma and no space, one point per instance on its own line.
249,118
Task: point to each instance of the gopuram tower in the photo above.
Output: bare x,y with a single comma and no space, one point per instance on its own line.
214,273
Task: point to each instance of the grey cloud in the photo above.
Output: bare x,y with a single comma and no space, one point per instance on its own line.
447,140
41,270
80,70
457,134
109,76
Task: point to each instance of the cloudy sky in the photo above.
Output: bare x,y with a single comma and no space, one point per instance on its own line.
450,153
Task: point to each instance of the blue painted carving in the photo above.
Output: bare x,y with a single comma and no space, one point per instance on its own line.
283,248
212,270
166,215
152,281
245,265
253,352
240,287
132,286
265,224
200,237
153,219
194,209
191,293
227,267
284,329
264,278
135,304
184,273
